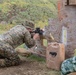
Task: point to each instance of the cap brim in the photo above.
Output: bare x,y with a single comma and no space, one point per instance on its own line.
29,27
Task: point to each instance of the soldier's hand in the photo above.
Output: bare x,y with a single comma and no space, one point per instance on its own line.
23,52
36,36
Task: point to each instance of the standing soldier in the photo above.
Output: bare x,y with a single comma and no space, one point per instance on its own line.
12,39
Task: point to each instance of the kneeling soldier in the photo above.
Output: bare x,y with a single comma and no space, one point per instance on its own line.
12,39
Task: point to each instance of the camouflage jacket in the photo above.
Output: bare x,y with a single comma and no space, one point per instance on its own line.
17,36
68,66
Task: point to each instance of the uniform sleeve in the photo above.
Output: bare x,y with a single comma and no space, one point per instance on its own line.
28,40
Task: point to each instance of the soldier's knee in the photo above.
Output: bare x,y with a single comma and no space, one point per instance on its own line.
15,59
16,62
13,62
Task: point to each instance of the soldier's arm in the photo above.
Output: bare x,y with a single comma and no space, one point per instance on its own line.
28,40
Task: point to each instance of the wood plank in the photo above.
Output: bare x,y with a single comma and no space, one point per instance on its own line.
72,2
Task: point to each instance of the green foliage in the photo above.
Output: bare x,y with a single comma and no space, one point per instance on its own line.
37,58
39,11
5,27
2,31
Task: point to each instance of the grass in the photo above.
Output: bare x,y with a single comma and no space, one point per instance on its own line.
2,31
21,46
6,27
75,53
45,42
37,58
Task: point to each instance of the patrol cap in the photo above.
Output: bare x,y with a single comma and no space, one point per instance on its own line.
29,24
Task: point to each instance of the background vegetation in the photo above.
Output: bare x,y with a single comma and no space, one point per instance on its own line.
17,11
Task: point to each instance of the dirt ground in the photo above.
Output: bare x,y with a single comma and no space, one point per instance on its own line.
28,67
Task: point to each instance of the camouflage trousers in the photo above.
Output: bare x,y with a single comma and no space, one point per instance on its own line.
68,66
9,55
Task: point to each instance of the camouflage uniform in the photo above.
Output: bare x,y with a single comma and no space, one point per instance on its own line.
68,66
12,39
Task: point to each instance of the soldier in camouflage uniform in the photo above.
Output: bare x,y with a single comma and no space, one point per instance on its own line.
12,39
68,66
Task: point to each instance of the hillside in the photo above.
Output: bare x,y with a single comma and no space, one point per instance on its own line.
16,11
